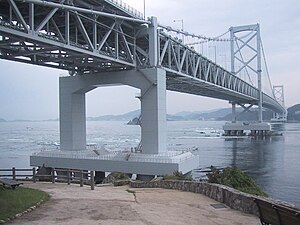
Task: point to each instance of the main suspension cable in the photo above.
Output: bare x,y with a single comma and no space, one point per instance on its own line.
266,65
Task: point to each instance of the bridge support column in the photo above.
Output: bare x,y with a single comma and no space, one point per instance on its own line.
233,112
153,106
72,117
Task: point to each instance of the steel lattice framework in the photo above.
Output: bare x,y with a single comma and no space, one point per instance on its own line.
92,36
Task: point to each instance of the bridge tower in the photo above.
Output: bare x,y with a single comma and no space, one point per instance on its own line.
246,63
278,92
246,57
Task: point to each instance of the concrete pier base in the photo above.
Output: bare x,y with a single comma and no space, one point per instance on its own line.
254,129
137,163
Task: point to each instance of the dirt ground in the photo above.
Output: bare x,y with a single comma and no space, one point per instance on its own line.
72,205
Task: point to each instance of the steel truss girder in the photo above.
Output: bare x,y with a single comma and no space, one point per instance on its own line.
65,29
245,109
203,77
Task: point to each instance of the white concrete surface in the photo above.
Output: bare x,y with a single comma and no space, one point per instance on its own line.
239,126
149,164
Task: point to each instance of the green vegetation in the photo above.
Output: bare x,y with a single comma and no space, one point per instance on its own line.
119,179
178,176
235,178
14,201
119,176
130,191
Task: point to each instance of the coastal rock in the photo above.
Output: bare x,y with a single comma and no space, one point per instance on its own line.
231,197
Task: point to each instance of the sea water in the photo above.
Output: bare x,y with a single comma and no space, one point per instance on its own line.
273,162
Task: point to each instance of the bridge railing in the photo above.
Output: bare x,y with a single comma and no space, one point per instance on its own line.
169,157
132,11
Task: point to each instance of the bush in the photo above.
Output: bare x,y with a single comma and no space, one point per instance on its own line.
178,176
120,176
235,178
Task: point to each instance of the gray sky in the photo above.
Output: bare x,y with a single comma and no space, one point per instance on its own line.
31,92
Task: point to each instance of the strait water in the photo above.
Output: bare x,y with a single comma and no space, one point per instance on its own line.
273,162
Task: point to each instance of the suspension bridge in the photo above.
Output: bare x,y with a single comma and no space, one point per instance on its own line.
107,42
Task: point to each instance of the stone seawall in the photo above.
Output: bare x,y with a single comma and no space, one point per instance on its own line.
229,196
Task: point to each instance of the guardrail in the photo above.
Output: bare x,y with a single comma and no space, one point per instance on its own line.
55,175
127,8
173,157
14,173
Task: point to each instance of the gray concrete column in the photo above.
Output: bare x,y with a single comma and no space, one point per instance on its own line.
153,108
233,112
153,42
72,117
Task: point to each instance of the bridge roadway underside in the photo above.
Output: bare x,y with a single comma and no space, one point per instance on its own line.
191,85
199,87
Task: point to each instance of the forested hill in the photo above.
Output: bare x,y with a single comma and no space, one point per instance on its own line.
294,113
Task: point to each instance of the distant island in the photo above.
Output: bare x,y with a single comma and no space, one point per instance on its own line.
223,114
3,120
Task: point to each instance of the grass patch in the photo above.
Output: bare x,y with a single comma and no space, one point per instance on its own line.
14,201
119,176
235,178
130,191
178,176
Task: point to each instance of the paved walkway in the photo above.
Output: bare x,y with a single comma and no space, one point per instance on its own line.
72,205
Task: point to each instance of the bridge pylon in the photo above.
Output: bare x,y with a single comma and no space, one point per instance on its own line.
278,92
245,45
246,49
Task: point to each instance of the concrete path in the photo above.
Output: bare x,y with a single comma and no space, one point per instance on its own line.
72,205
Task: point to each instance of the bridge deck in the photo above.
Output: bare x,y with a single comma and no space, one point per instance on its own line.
88,37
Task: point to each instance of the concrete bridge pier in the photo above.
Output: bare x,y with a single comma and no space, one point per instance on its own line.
154,158
151,82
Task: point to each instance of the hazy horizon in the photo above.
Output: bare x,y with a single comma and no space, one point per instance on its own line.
118,114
